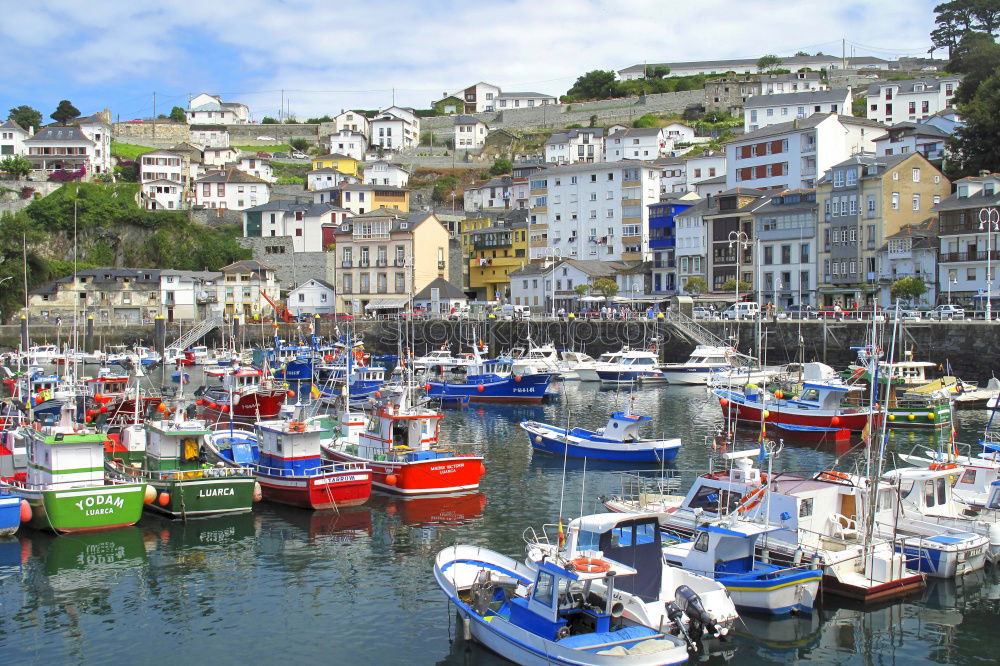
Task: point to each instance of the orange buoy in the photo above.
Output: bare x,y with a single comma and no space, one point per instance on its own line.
835,420
391,479
723,401
25,511
517,378
427,387
480,388
291,394
161,408
779,394
150,495
258,494
164,499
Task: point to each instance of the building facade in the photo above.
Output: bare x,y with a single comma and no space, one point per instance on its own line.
575,145
230,189
968,233
763,110
912,100
470,132
786,227
493,247
911,252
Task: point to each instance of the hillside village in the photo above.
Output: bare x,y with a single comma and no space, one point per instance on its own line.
813,181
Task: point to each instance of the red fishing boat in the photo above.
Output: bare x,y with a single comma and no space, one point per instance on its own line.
246,394
822,407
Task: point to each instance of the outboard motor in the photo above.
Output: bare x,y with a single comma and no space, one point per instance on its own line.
701,620
676,616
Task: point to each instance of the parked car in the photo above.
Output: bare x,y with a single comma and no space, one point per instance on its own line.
742,310
943,312
905,314
298,155
261,153
281,155
800,312
701,313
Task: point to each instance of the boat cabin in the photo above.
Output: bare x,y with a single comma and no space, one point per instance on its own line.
639,360
719,549
289,448
821,396
45,386
107,385
59,457
993,499
632,538
623,427
243,378
413,432
706,355
174,445
929,491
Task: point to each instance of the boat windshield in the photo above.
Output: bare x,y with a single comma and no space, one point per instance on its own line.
710,498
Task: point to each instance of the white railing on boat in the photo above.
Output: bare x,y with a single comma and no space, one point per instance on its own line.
322,470
182,474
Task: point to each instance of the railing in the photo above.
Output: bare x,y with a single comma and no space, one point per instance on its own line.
322,470
129,473
980,255
695,331
197,333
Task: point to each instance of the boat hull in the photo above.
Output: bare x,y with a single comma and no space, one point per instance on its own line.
84,509
202,495
322,491
528,389
690,375
788,594
255,406
10,514
818,418
894,589
612,452
423,477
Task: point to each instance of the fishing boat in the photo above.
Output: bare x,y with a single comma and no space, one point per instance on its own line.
970,394
570,363
727,552
64,482
400,444
438,360
492,381
292,471
819,517
618,441
827,404
630,366
536,358
246,395
232,444
657,587
10,509
185,485
550,614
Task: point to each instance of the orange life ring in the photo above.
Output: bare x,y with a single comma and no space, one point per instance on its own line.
937,466
591,565
752,500
835,475
296,426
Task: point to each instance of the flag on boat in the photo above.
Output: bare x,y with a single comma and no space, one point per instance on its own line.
866,433
562,535
314,391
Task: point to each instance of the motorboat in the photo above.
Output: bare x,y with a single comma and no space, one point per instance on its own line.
656,587
246,395
703,361
631,366
587,372
551,614
570,363
618,441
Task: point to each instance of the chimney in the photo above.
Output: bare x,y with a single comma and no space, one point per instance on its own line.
795,123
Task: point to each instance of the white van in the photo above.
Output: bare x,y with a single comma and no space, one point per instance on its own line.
742,310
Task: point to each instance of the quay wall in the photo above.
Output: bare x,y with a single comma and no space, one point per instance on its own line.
970,347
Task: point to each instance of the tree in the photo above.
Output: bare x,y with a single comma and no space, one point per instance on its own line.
501,166
977,56
65,112
607,286
801,54
696,285
767,63
582,289
908,288
658,72
302,145
321,119
26,117
17,166
268,120
597,84
975,146
593,120
178,115
958,18
732,285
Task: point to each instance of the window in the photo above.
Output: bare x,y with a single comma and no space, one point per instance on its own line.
768,255
916,175
895,175
895,200
916,202
786,254
804,253
852,177
871,203
970,274
545,587
805,507
838,178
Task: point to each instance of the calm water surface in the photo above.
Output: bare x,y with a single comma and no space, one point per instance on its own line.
282,585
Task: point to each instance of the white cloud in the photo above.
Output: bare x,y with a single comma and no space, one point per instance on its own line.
421,49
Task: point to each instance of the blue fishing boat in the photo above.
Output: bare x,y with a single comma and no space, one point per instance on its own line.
234,446
726,552
618,441
492,386
10,512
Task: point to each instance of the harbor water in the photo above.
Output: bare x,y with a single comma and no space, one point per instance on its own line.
282,585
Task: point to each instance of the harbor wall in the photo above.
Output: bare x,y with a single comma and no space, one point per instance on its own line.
970,347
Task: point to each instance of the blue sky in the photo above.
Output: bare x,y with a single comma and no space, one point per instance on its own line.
334,55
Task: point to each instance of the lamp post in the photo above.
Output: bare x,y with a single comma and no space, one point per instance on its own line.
951,280
553,254
989,219
737,239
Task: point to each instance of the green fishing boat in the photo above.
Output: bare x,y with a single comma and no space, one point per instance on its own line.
185,485
64,482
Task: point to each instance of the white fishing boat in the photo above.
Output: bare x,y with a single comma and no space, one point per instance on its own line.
703,361
551,614
570,362
631,366
587,372
656,586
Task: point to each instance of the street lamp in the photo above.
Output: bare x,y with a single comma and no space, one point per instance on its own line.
989,219
737,239
951,280
553,254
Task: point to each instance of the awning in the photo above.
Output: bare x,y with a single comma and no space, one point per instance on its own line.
387,303
838,290
591,299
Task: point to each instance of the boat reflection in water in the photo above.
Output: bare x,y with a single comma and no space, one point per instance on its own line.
210,532
10,556
432,510
85,562
344,525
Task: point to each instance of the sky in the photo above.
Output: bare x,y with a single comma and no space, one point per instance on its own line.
328,56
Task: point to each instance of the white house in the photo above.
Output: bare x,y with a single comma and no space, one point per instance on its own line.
395,127
673,175
85,144
544,286
189,295
312,297
776,84
705,165
210,136
749,65
306,224
219,156
891,102
348,142
12,138
710,186
478,97
383,172
646,143
911,252
258,167
910,137
575,145
239,291
964,240
522,100
352,121
440,297
325,178
763,110
230,189
592,211
679,133
205,109
163,178
494,193
470,132
795,154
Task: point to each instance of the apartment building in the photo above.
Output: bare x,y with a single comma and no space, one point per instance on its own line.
308,225
968,234
793,155
637,144
663,241
81,146
394,128
729,229
691,247
165,179
862,201
205,109
912,100
243,287
786,229
230,189
592,211
911,252
384,256
575,145
493,247
763,110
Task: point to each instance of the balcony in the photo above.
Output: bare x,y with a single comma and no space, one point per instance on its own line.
662,243
968,256
399,262
659,263
381,262
347,263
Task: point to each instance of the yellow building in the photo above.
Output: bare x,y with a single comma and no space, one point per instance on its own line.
362,198
493,248
862,201
342,163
